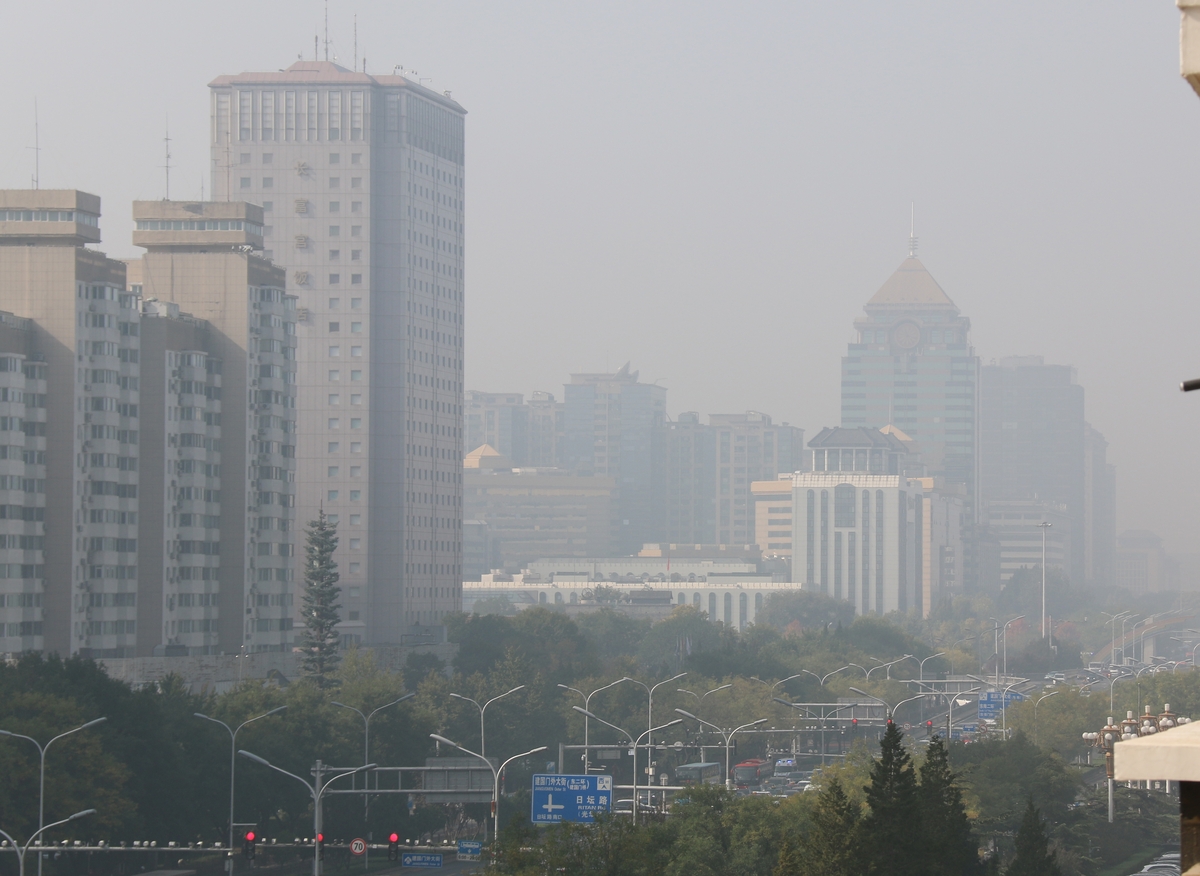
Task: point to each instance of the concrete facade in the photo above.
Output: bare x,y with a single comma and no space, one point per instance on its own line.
361,181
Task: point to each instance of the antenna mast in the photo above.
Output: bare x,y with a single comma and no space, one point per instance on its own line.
167,159
326,30
356,43
37,149
912,231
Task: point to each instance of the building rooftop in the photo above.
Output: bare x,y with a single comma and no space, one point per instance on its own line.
911,286
54,217
197,225
861,436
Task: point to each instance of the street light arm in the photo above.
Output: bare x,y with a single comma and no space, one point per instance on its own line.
407,696
81,814
701,720
453,744
21,736
503,695
594,717
262,760
467,699
91,723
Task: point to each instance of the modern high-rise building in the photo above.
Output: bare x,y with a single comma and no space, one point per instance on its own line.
218,403
615,426
361,182
748,447
499,420
80,407
912,366
691,467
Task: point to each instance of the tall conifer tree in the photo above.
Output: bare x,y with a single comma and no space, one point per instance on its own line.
320,603
951,848
891,835
1033,857
831,847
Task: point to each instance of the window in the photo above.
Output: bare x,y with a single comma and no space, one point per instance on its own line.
332,518
335,399
335,375
354,592
355,230
355,519
356,447
355,303
354,567
355,495
268,157
335,158
356,375
356,158
355,471
268,182
268,206
335,230
356,351
335,303
335,326
356,327
356,255
333,446
331,494
334,279
332,471
356,399
244,158
335,206
335,182
335,423
355,544
356,182
335,351
245,182
355,278
354,614
356,206
843,505
355,423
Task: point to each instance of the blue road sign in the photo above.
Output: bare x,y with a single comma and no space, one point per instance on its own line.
469,850
991,703
569,798
420,859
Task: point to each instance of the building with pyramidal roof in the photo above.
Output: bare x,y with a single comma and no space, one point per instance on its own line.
911,365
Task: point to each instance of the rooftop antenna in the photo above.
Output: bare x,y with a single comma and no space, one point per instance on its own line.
356,43
912,231
316,42
326,30
167,158
37,149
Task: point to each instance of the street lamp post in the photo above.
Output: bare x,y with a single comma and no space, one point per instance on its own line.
496,771
587,704
1106,739
233,765
728,736
1112,624
1123,622
922,662
483,709
781,681
316,790
366,757
951,699
888,666
21,850
634,743
827,676
650,701
1037,703
1044,525
891,710
824,718
1004,639
42,771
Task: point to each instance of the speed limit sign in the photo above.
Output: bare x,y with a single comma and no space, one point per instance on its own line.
358,847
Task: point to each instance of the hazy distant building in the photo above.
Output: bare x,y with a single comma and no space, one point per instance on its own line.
1099,510
532,513
862,449
1014,525
912,365
690,481
773,516
361,181
749,447
218,522
614,426
856,536
83,326
1141,562
499,420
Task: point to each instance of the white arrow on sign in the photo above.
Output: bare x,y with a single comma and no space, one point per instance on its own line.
549,804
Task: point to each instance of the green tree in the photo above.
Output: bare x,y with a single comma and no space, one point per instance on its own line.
951,848
1033,857
321,609
891,831
831,848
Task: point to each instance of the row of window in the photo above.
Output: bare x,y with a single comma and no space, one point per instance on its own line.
20,600
50,216
198,225
268,182
111,628
107,543
112,600
113,573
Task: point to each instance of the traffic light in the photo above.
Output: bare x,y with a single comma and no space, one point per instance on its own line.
320,847
854,723
394,847
249,844
928,728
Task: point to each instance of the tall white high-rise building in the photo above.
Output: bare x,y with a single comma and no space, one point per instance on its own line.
361,182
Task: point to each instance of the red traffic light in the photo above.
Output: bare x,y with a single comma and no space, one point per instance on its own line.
394,838
249,836
320,837
854,721
928,723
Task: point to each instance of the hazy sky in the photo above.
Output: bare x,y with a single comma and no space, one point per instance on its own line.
712,190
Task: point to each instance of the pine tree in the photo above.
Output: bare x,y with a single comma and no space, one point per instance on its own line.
321,611
891,836
830,848
1033,857
951,849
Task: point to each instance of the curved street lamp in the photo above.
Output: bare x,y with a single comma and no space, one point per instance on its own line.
587,704
42,780
650,698
21,850
1037,703
824,678
483,709
496,771
728,735
891,710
